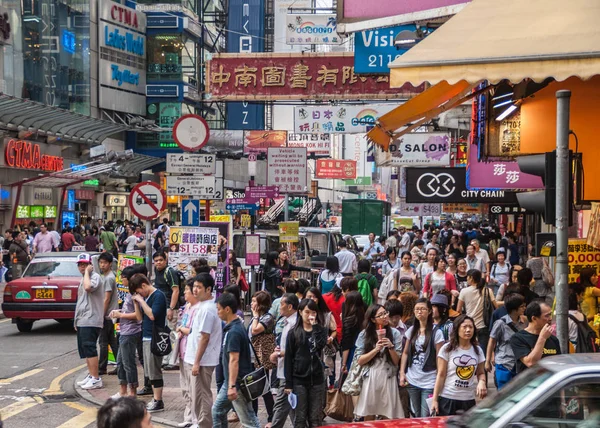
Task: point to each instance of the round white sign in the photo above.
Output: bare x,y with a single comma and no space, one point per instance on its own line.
191,132
147,200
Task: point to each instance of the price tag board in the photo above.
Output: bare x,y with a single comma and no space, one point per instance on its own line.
198,186
191,163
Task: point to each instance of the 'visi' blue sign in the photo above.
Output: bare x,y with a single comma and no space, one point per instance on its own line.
124,75
374,49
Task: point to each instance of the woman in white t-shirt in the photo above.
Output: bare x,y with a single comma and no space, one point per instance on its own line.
499,272
418,366
461,371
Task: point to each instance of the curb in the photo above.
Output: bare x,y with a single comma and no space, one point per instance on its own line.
91,399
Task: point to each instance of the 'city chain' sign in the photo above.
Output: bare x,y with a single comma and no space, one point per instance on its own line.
440,185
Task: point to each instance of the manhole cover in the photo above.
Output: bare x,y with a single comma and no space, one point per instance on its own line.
57,398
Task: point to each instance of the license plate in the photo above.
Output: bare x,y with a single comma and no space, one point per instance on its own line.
44,293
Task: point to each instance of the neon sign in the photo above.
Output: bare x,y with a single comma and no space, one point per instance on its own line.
28,155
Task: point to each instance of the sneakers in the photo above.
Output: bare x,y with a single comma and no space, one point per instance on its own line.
93,384
116,396
145,390
84,381
155,406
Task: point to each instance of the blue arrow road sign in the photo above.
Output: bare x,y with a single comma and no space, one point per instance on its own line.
190,215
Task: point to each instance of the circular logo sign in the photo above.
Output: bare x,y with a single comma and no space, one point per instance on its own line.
191,132
430,185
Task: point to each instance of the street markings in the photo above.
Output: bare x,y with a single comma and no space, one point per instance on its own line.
5,320
21,376
55,384
18,407
87,416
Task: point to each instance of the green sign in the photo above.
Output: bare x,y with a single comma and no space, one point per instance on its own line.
37,211
359,181
91,183
167,116
23,211
50,211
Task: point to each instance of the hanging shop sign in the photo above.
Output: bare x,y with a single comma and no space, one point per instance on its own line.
341,119
38,195
270,77
498,175
286,168
417,149
406,209
360,10
312,29
318,144
85,194
123,15
435,185
375,49
191,243
260,141
280,12
115,200
336,169
25,154
505,209
461,208
582,255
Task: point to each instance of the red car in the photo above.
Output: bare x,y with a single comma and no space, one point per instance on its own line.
47,290
400,423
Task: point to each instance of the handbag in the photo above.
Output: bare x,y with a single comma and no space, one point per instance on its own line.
244,282
339,405
353,383
265,345
488,307
255,384
160,344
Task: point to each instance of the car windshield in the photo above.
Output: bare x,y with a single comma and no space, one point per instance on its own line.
496,405
52,269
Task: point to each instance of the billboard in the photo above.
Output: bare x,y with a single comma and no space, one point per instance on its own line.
245,22
416,149
280,12
341,119
360,10
272,77
316,143
260,141
374,49
312,29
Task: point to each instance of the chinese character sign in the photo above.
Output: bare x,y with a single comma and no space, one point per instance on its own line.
312,29
287,169
316,143
582,255
124,261
342,119
336,169
191,243
268,77
260,141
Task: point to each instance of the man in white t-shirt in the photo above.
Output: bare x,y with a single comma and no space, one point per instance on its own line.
483,255
203,350
404,244
348,263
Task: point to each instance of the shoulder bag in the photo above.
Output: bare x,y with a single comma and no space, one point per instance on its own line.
353,383
160,344
488,307
255,384
339,405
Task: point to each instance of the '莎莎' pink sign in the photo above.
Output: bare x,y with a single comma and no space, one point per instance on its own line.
361,9
498,175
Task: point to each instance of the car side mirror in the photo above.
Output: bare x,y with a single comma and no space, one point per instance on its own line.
315,253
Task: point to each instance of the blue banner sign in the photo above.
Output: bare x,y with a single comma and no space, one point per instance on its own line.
374,49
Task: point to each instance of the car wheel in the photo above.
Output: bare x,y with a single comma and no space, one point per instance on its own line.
24,326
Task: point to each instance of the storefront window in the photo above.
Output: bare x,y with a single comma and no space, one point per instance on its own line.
56,52
172,57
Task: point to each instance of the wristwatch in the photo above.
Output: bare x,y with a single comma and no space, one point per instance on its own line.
231,386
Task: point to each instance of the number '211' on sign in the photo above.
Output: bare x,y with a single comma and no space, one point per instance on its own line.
375,49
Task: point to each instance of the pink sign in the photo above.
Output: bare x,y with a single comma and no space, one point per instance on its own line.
360,9
258,192
498,174
252,250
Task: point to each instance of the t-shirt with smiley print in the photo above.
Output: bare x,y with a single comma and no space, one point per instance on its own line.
461,377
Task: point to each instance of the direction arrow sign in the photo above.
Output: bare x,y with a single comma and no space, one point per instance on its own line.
147,200
246,200
190,212
201,186
257,192
238,207
191,163
191,132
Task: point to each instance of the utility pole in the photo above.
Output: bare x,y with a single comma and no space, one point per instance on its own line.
563,205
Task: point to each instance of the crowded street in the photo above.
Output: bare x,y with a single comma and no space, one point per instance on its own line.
299,213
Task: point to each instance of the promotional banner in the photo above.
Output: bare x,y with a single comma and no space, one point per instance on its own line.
581,255
312,29
354,147
310,75
260,141
245,22
286,168
123,261
318,144
336,169
461,208
191,243
416,149
360,10
449,185
375,49
341,119
498,175
222,272
289,231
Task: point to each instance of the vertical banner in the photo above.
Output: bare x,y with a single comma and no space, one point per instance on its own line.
124,261
222,253
245,22
252,250
593,237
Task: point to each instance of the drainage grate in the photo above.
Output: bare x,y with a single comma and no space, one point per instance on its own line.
55,398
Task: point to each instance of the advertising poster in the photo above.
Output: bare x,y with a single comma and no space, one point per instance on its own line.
191,243
341,119
289,231
593,237
252,250
260,141
581,255
124,261
312,29
417,149
225,234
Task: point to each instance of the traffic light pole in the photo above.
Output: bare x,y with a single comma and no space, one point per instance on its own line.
563,205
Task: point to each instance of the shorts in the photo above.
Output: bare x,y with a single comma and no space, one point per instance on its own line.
152,363
449,407
87,337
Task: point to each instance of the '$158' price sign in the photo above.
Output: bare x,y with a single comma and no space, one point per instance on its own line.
193,248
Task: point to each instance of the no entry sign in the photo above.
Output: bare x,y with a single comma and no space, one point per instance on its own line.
147,200
191,132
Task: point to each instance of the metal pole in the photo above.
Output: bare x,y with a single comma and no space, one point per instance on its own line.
562,217
149,248
286,205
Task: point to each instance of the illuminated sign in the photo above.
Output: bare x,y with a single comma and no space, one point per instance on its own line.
50,211
94,182
28,155
37,211
75,167
68,41
124,75
127,42
23,211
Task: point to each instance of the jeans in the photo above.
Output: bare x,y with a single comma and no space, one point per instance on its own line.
126,367
242,407
418,405
309,409
503,376
107,337
282,407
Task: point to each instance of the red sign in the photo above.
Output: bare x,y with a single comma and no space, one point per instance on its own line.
124,15
85,195
260,141
337,169
302,76
27,155
147,200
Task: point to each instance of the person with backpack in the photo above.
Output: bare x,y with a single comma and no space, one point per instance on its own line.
439,280
441,321
367,283
581,335
331,276
499,353
499,272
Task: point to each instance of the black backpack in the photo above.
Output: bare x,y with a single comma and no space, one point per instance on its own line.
586,337
179,278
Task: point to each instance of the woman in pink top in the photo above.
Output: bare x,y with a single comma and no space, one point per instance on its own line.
439,280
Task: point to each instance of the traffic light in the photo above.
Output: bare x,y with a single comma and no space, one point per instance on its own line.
328,208
544,201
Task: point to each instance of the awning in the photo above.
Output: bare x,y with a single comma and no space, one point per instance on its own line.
509,39
136,166
419,110
22,114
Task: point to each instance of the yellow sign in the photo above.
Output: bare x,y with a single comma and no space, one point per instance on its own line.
246,221
461,208
407,222
220,218
288,231
581,255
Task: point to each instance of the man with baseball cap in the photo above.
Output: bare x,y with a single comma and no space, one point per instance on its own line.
89,319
